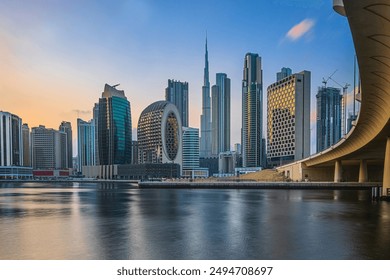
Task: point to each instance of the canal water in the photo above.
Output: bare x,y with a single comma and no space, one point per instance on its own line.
118,221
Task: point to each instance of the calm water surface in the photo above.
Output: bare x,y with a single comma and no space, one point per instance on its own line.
118,221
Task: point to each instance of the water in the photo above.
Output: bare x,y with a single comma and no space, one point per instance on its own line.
118,221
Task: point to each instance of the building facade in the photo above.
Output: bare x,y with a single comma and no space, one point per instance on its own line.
67,128
114,127
159,134
252,112
85,143
190,148
329,113
288,119
49,148
96,122
284,73
26,145
177,93
220,109
205,118
11,142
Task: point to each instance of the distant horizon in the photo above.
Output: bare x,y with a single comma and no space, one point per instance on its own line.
54,70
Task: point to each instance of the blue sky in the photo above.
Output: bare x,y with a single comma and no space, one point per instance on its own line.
56,56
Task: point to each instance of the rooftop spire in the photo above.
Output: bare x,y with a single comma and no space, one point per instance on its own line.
206,81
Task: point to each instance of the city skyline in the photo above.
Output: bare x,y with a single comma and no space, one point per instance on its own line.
53,70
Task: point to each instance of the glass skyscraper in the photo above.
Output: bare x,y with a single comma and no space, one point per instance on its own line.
252,112
177,93
329,108
11,141
190,148
114,127
220,109
67,128
86,143
205,118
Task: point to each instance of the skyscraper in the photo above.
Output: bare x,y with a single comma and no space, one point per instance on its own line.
177,93
11,141
86,143
160,134
252,112
26,145
205,118
49,148
67,128
288,119
284,73
96,122
114,127
329,110
220,114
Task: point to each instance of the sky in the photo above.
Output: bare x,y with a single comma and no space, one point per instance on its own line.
56,56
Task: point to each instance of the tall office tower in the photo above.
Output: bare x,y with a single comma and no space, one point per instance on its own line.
190,148
205,118
11,140
96,122
220,109
85,143
114,127
252,112
49,148
159,134
26,145
328,117
288,119
67,128
177,93
284,73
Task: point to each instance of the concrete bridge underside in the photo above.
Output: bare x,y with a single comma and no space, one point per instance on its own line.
364,153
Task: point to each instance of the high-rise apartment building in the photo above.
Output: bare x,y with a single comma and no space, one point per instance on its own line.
85,143
329,109
67,128
205,118
288,119
49,148
190,148
26,145
114,127
220,109
177,93
252,112
11,140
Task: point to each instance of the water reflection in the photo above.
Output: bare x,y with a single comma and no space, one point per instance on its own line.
117,221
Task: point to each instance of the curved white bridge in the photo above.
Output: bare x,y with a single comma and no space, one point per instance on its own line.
364,153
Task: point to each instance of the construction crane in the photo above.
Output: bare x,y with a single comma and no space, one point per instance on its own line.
330,77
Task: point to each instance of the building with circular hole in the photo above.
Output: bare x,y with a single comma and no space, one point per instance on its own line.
159,134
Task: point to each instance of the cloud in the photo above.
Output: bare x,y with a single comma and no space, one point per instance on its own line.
300,29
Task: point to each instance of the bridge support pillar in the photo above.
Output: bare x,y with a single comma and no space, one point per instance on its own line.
386,169
363,177
338,171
